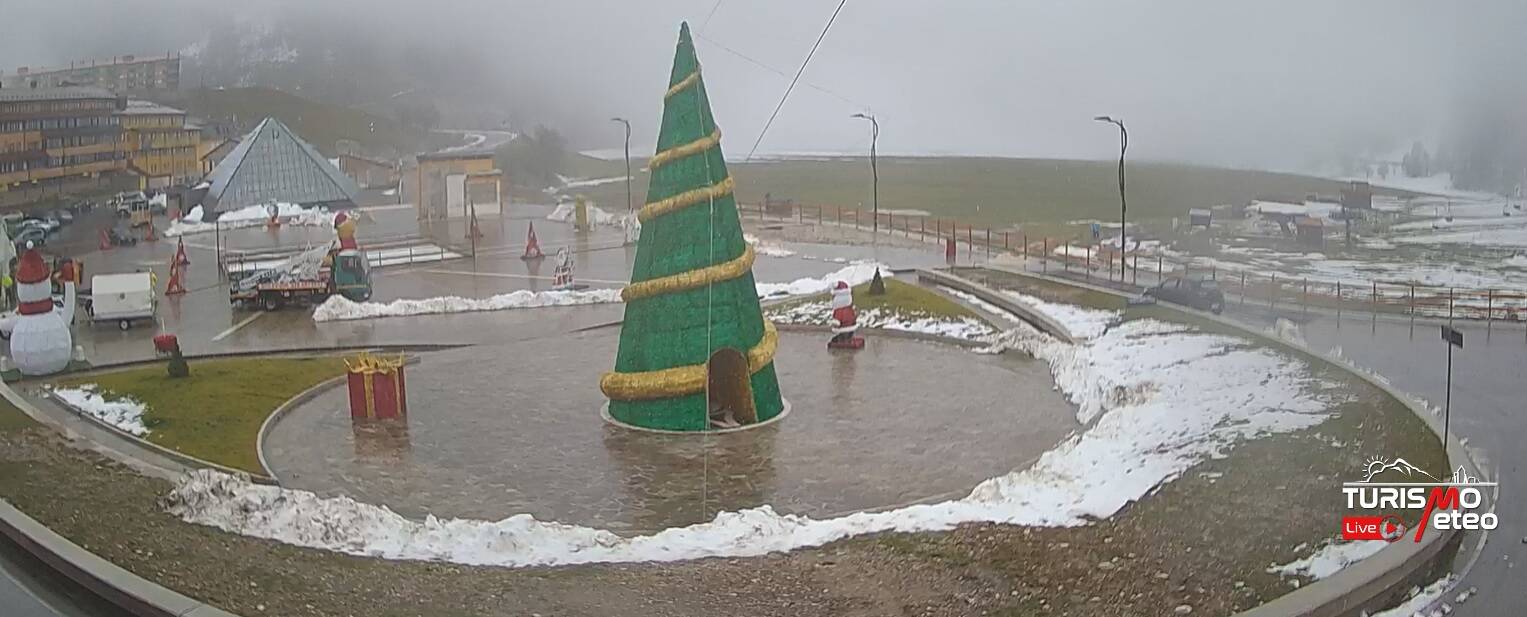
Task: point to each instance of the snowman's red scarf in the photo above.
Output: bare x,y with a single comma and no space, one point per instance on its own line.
35,307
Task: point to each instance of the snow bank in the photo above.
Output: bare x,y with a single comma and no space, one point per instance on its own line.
1509,237
1420,602
1330,558
574,183
856,273
250,216
1081,322
1157,398
819,314
567,212
767,249
124,413
338,307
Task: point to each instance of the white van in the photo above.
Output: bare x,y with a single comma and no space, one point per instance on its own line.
122,298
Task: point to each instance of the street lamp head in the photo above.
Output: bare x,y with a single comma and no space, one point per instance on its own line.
1102,118
860,116
620,120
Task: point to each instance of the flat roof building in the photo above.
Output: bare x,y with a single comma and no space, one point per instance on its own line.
117,74
56,141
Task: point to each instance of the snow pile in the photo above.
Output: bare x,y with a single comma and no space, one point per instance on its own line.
574,183
124,413
767,249
1422,600
820,314
567,212
338,307
1330,558
1081,322
972,300
250,216
854,274
1158,398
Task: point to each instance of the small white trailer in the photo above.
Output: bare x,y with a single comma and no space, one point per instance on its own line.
121,298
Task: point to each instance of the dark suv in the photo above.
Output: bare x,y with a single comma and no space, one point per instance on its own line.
1197,293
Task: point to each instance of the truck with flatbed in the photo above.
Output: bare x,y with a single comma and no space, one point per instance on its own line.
309,277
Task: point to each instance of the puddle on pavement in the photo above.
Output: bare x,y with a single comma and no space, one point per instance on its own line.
498,430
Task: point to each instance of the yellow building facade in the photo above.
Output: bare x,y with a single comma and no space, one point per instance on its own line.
56,141
161,148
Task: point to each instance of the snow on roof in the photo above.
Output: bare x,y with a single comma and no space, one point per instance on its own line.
136,107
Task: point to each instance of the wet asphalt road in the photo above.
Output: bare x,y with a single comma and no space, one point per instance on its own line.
1489,381
29,588
206,323
1489,410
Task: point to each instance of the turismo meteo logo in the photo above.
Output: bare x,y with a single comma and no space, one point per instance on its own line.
1450,504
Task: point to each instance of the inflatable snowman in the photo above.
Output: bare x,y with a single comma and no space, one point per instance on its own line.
40,341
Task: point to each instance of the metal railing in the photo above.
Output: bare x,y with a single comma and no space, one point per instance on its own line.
1244,286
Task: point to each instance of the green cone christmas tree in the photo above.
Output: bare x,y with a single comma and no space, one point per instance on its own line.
694,343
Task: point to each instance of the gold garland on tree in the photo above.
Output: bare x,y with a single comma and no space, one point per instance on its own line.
689,379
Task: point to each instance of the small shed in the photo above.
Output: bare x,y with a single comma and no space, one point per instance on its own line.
1310,232
1357,194
1200,217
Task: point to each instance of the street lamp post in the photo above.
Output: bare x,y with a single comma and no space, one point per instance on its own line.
629,205
1123,206
874,171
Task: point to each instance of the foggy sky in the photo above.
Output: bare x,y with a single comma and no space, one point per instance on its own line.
1267,84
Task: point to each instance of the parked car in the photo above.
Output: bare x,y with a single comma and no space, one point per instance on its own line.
44,224
1193,292
35,235
125,203
121,237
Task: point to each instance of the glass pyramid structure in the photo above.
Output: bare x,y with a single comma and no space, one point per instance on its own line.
273,164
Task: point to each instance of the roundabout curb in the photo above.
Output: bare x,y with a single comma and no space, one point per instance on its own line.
1360,587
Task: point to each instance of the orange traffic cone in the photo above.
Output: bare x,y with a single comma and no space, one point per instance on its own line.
149,236
176,286
532,247
180,253
105,241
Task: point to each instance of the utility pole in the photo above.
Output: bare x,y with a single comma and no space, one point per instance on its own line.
1123,206
1454,338
629,204
874,173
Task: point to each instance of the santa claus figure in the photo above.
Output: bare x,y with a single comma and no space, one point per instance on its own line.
845,322
344,228
41,343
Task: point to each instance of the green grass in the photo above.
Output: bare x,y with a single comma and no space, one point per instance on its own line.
320,124
900,298
216,413
994,192
12,419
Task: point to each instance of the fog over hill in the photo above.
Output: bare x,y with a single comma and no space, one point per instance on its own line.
1301,84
